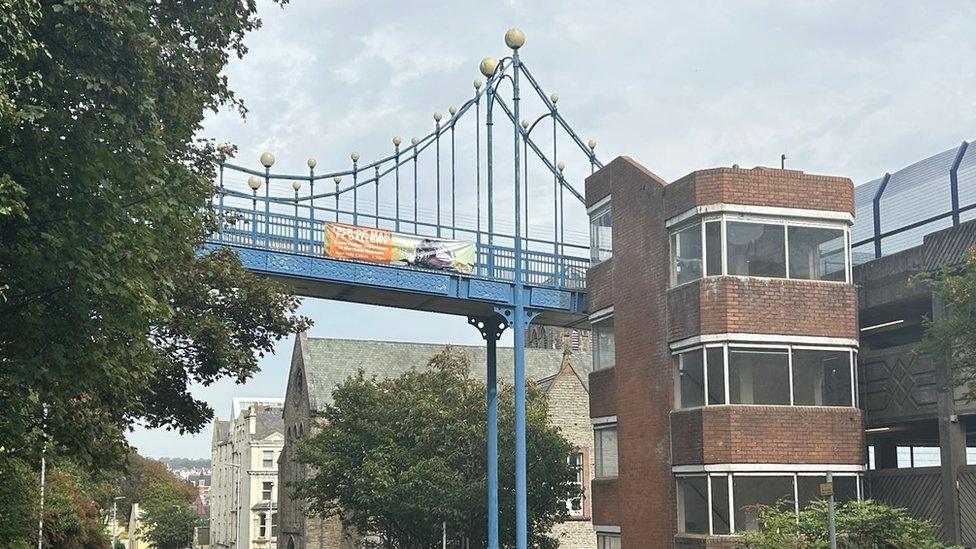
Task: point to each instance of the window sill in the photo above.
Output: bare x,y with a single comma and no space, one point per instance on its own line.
816,406
760,278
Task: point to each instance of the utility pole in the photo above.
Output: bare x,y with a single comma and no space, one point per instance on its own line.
115,522
832,528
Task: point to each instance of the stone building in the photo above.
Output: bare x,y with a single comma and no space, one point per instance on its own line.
244,490
555,337
319,365
724,370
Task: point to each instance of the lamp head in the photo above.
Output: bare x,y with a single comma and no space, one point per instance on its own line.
254,182
488,66
515,38
267,159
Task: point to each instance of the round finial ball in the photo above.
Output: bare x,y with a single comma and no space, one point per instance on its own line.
525,124
477,83
354,156
296,185
312,162
554,97
396,141
560,165
337,179
254,182
414,140
267,159
488,66
591,144
515,38
438,116
452,110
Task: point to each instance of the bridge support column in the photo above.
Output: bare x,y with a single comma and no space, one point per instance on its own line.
491,328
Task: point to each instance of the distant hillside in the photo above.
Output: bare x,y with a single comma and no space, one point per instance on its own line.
175,463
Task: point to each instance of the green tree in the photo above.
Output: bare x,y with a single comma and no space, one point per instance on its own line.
399,456
951,338
168,519
860,525
107,311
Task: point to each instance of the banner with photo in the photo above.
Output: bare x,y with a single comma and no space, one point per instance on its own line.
383,246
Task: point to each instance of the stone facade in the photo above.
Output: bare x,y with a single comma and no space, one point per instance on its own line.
318,365
663,447
244,494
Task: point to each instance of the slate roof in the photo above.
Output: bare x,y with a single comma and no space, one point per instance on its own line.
221,430
268,421
328,362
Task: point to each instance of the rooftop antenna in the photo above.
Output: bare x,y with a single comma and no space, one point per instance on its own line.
782,161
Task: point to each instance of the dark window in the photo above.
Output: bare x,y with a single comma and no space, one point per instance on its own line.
753,493
817,253
821,378
759,376
693,505
756,249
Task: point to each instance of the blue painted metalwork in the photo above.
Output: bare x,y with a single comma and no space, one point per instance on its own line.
521,319
516,278
954,181
877,214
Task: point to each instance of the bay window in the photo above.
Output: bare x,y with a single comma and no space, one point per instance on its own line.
740,373
733,244
726,503
601,234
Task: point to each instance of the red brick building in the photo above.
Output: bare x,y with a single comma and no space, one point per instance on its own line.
724,334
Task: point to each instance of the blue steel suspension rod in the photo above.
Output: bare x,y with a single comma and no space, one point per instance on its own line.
453,111
562,121
415,219
515,40
477,161
491,217
542,156
376,202
355,195
396,165
437,147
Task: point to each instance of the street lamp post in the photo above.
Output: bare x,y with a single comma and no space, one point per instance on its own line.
115,521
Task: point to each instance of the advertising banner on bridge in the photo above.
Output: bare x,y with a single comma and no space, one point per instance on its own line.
382,246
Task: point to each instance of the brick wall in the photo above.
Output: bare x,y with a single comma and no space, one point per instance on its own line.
767,434
638,277
732,304
760,187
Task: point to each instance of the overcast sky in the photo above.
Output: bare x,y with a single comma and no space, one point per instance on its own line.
842,88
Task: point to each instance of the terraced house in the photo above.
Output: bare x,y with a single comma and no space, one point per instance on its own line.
725,339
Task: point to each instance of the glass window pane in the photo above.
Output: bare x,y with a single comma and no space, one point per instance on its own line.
716,375
686,255
691,379
817,253
821,378
752,493
608,541
720,505
759,376
605,448
713,247
693,505
601,236
604,355
756,249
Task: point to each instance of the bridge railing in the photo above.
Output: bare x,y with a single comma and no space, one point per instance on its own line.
280,232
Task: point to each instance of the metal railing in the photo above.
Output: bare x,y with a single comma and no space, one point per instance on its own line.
923,186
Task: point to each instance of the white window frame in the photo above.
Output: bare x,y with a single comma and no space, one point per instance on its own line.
786,221
580,481
598,452
729,475
597,352
270,491
265,458
597,211
728,345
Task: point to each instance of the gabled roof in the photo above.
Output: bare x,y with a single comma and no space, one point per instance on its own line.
328,362
267,421
221,430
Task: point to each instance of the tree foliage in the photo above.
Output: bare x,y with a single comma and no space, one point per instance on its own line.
399,456
107,311
951,337
859,525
